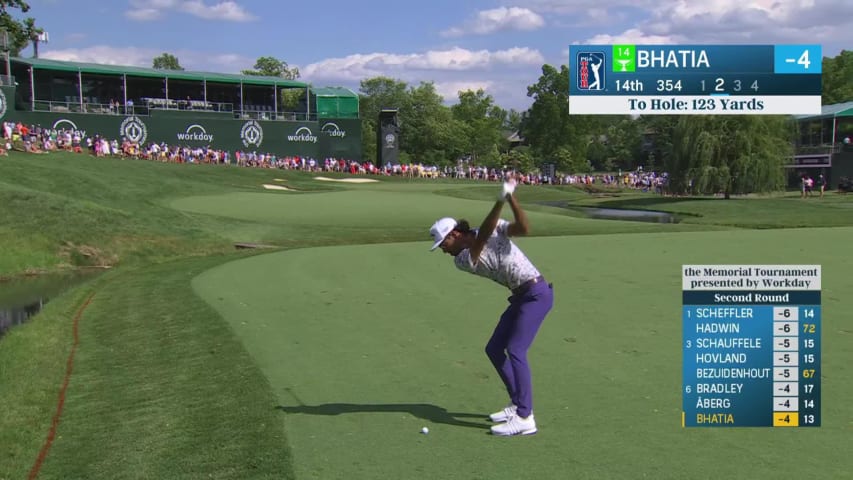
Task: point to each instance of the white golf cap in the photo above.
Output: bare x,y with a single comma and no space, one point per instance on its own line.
440,229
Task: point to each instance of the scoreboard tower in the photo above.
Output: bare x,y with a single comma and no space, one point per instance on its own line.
695,79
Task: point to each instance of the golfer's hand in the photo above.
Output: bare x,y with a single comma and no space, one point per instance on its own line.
507,190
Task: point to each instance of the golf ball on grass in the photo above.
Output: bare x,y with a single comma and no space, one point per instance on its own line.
425,430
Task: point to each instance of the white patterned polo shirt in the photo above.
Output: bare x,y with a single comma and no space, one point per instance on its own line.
501,260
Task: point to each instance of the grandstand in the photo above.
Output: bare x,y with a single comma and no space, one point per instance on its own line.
223,111
824,145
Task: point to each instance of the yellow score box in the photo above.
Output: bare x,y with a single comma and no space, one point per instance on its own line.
786,419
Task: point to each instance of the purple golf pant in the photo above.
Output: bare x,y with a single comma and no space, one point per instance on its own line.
507,349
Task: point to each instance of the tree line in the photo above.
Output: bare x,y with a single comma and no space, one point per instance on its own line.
702,154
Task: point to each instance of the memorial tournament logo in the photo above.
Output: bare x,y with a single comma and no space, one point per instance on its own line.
390,139
333,130
252,134
2,104
303,134
133,129
591,70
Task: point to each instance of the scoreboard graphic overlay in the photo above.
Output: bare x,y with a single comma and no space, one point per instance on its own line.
695,79
751,345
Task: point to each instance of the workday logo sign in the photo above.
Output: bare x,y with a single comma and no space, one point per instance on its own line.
65,124
195,133
590,71
333,130
303,134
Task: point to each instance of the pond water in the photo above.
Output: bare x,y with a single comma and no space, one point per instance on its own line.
20,299
619,213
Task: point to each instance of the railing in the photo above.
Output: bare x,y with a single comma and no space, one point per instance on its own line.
88,107
173,104
92,105
818,149
247,114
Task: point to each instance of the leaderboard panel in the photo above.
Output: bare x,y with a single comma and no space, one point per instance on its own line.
751,345
695,79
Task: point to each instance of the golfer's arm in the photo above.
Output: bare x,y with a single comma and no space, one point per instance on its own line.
486,229
520,226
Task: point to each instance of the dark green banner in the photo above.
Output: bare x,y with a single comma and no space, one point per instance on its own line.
340,138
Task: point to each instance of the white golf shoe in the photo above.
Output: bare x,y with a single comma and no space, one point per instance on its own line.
504,414
516,426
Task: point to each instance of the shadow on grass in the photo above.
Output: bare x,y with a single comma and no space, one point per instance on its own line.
433,413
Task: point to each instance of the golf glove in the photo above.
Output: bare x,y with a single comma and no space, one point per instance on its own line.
506,190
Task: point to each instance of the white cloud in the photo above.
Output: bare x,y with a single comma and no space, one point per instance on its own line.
133,56
498,19
633,36
146,10
143,57
828,22
450,89
360,66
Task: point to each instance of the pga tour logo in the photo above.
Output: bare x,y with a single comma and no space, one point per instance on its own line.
590,70
252,134
333,130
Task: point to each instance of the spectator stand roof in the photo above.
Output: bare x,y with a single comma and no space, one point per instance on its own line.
830,111
97,68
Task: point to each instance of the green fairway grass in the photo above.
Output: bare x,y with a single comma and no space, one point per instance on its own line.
325,359
365,345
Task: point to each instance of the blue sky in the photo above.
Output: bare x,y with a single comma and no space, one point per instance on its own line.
491,44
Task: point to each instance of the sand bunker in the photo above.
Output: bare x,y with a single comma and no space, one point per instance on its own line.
347,180
276,187
279,180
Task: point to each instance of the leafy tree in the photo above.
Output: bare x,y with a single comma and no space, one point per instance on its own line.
21,33
167,61
485,122
273,67
547,125
838,78
430,133
513,120
375,94
728,154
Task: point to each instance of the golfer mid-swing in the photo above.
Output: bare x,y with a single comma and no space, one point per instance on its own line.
489,252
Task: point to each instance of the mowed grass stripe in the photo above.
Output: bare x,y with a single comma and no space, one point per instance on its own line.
378,341
160,380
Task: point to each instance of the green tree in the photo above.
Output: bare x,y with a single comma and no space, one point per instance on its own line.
728,154
838,78
375,94
21,33
273,67
167,61
430,133
547,125
484,122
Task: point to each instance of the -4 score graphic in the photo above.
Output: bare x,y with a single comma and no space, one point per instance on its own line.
695,79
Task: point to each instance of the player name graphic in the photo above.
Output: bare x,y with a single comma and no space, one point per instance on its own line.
668,58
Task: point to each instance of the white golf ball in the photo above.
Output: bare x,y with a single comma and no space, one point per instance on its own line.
425,430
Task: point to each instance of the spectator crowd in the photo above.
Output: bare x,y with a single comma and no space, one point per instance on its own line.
37,139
